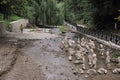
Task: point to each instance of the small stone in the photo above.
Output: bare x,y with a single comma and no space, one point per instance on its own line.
115,60
75,72
83,66
70,58
102,71
91,71
118,59
81,71
86,76
78,62
118,65
109,66
116,71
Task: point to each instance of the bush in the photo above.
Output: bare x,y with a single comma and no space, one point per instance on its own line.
116,54
1,17
11,18
14,18
7,25
63,29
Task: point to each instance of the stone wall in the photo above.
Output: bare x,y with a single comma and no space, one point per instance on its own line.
2,29
15,25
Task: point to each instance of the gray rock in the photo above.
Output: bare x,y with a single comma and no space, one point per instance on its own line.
78,62
116,71
91,72
102,71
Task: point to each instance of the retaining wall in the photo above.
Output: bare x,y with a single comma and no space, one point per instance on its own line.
15,25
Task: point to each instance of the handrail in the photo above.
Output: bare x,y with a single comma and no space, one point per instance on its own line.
96,33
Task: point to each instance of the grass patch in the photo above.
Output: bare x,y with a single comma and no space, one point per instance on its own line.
32,30
63,29
14,18
10,19
116,54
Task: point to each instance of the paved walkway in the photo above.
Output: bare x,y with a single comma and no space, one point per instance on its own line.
28,34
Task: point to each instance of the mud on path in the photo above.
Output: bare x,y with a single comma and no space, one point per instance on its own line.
38,59
54,63
41,58
15,65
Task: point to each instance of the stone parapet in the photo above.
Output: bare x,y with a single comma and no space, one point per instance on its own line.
15,25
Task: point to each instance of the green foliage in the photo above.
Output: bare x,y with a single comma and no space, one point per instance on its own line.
7,25
14,17
116,54
106,11
1,16
102,14
40,12
49,12
79,10
10,19
32,30
63,29
99,14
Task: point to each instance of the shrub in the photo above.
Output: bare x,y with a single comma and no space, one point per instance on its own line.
63,29
116,54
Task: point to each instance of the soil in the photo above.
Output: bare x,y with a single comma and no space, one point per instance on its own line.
39,57
15,65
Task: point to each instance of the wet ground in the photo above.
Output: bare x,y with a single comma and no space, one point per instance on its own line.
48,54
15,65
40,53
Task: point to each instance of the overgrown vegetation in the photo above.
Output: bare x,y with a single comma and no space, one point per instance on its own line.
98,14
106,11
63,29
116,54
80,11
10,19
39,12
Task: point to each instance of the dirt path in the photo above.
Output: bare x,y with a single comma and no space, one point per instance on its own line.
15,65
38,56
47,53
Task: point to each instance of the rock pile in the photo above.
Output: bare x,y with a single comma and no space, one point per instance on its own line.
83,52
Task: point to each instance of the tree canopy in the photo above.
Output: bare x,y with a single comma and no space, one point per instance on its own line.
99,14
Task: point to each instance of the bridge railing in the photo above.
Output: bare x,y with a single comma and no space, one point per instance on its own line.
107,36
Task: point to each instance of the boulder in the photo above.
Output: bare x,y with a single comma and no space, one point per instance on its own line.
91,72
81,71
102,71
78,62
116,71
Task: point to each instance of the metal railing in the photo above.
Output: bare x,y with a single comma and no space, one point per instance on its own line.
107,36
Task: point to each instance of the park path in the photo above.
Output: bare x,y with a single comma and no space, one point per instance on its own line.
48,54
30,35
